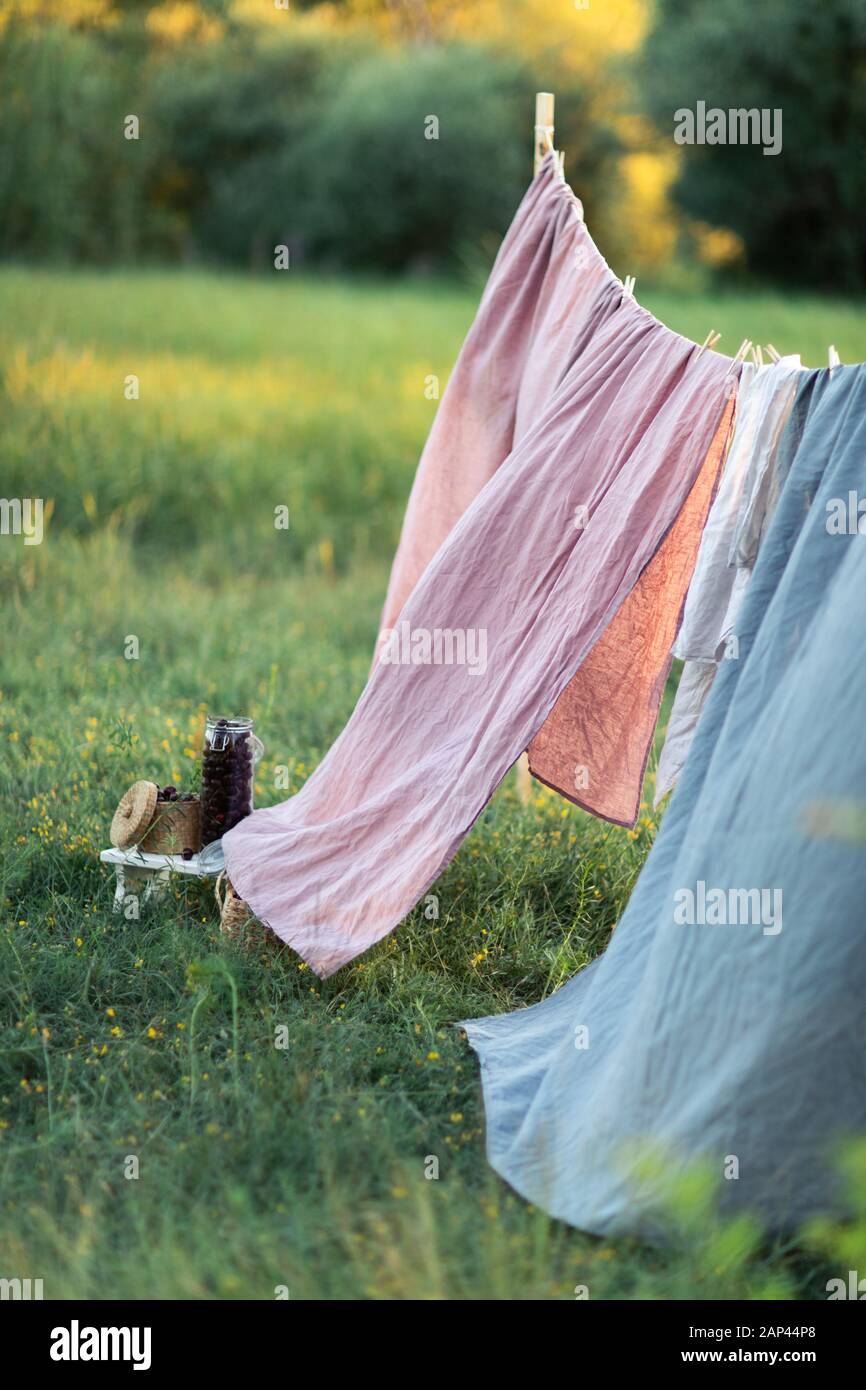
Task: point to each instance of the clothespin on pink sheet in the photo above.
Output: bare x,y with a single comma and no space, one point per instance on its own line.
543,142
710,341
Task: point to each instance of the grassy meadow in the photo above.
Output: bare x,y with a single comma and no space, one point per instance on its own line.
153,1039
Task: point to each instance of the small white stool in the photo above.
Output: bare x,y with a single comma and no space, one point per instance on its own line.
135,869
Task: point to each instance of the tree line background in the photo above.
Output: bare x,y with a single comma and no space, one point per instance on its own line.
305,126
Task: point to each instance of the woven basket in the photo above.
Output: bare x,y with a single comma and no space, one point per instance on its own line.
176,826
234,913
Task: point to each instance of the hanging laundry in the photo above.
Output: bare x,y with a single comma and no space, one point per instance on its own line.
725,1019
579,548
745,501
773,464
512,361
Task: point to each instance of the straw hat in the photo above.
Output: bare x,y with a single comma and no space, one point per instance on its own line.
134,814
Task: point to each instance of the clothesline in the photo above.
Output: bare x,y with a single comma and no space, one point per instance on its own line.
629,285
544,146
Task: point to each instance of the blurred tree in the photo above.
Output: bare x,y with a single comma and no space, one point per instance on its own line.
799,213
261,127
414,155
233,118
330,148
71,186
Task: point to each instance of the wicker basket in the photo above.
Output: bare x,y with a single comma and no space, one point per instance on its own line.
235,916
176,826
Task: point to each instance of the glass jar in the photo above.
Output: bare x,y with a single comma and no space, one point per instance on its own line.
231,751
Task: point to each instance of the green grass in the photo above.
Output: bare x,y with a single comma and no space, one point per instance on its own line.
154,1038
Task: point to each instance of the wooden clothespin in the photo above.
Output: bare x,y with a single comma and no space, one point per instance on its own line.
710,341
773,354
628,285
757,355
544,102
833,358
743,349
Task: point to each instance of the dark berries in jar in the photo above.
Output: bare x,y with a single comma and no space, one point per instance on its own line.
227,776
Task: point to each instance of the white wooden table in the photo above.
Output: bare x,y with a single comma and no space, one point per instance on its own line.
146,876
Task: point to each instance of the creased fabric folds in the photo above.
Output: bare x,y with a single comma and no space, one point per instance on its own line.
593,519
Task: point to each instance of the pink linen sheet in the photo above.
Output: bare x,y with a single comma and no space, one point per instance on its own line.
558,592
517,351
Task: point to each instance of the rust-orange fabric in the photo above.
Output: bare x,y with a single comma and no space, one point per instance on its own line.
593,746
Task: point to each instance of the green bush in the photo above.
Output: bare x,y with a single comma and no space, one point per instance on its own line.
415,155
318,141
72,188
328,153
354,155
232,119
